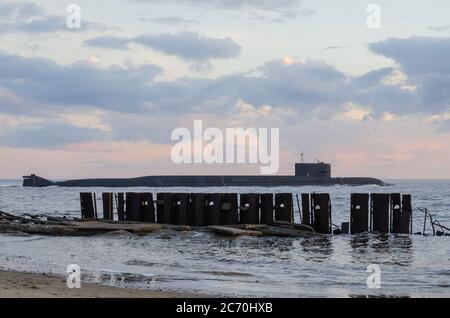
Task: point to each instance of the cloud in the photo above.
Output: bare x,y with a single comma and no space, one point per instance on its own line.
440,28
306,86
191,46
20,10
374,77
304,98
81,84
188,46
108,41
27,17
417,55
278,10
132,97
169,21
47,135
426,63
334,47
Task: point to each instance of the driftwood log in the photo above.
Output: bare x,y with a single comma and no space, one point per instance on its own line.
64,227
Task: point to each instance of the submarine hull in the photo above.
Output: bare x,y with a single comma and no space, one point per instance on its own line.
203,181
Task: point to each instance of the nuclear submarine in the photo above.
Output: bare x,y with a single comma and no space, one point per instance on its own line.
306,174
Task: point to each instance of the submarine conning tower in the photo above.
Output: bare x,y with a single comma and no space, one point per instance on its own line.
318,170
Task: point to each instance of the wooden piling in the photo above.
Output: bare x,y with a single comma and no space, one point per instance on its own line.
164,208
179,209
249,208
95,205
87,205
229,209
406,222
108,205
284,207
396,212
306,209
213,206
267,209
121,206
197,209
147,208
321,208
133,207
379,211
359,213
345,227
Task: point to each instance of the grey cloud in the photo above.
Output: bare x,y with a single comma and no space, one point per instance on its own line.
426,62
440,28
110,42
309,88
335,47
48,135
374,77
283,9
312,89
42,80
27,17
417,55
38,25
20,10
169,21
306,87
189,46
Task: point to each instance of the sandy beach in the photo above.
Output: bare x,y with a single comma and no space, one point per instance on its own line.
26,285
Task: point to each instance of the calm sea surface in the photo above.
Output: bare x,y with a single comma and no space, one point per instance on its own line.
332,266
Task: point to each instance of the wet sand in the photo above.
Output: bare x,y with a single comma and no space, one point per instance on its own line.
25,285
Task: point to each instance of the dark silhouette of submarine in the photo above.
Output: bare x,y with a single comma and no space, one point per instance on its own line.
305,174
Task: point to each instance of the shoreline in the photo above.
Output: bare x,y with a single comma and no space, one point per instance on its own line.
31,285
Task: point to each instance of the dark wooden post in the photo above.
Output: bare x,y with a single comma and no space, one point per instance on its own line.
406,222
121,206
95,205
147,208
214,204
321,206
87,206
229,209
359,213
249,208
306,209
197,208
267,208
128,206
179,208
284,207
108,205
380,212
164,208
133,207
396,212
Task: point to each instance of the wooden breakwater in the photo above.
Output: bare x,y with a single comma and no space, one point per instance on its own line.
377,212
228,214
195,209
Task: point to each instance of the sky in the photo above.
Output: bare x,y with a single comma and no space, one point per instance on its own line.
102,100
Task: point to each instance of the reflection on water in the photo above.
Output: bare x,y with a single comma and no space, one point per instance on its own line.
382,249
245,266
317,249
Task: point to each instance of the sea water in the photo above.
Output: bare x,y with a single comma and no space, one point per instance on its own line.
328,266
